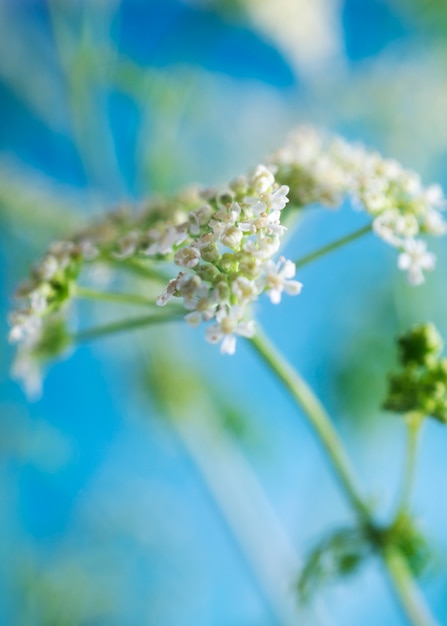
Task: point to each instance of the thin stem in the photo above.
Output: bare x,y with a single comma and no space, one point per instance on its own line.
409,597
317,417
125,325
135,267
313,256
112,296
413,421
407,593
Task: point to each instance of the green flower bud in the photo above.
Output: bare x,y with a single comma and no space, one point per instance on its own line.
223,291
229,263
207,272
210,253
421,385
53,341
421,345
249,266
226,199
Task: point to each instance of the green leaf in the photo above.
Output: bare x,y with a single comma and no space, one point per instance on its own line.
337,556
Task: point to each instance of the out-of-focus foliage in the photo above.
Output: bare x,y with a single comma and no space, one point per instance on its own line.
339,555
420,386
431,14
140,546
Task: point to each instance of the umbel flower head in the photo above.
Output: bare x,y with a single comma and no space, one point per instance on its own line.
421,384
226,258
225,242
325,170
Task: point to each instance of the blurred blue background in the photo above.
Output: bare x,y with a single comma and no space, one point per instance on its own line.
155,481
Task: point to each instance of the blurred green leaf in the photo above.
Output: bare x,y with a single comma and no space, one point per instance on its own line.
337,556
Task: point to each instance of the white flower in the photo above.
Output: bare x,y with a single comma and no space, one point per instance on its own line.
193,290
278,199
434,223
187,257
48,267
88,250
244,289
198,218
262,179
228,325
263,248
168,291
434,196
228,215
277,279
164,241
127,245
194,318
26,369
415,259
324,170
24,325
254,207
38,301
232,237
393,227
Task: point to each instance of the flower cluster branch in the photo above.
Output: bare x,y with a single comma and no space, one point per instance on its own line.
226,241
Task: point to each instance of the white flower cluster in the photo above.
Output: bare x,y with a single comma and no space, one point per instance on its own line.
46,290
48,285
225,242
226,254
324,170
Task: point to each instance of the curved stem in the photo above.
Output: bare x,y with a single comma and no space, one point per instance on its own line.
407,593
118,327
413,421
134,266
316,416
330,247
112,296
409,597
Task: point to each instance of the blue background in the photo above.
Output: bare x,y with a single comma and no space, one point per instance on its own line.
107,516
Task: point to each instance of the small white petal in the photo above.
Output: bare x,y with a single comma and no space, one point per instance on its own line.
228,345
193,319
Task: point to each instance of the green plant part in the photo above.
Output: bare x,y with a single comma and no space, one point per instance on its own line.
406,537
32,356
421,385
337,556
421,346
345,550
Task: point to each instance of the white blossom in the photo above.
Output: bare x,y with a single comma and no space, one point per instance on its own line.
324,170
168,291
262,179
88,250
229,324
187,257
26,370
24,325
48,267
225,255
127,245
415,259
225,241
278,279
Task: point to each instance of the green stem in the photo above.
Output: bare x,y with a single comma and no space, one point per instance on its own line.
413,421
317,417
313,256
409,597
407,593
125,325
135,267
112,296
